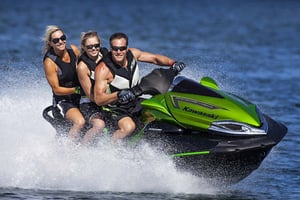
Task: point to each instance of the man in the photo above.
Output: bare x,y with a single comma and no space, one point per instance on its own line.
117,73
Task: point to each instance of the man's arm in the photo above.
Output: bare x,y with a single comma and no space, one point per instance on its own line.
156,59
103,77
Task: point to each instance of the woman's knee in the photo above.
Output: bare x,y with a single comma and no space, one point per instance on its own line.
76,117
80,121
98,124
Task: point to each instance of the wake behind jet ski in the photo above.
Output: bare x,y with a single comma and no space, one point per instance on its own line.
207,131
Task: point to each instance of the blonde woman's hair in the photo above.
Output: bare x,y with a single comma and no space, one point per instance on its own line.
87,35
47,36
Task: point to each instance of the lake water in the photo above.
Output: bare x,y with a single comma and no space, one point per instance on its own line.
251,48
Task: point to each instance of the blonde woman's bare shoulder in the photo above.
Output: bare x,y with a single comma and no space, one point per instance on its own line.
75,49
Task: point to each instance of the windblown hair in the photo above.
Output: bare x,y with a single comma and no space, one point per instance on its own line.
47,36
87,35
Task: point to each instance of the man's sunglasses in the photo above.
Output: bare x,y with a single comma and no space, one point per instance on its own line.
62,38
114,48
91,46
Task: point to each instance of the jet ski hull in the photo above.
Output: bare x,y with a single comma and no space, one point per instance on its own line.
204,154
210,155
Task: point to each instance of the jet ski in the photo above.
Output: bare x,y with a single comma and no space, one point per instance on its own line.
207,131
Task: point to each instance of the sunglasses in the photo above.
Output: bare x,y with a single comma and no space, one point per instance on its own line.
62,38
91,46
114,48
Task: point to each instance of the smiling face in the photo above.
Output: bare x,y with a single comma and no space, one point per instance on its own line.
58,40
92,47
118,49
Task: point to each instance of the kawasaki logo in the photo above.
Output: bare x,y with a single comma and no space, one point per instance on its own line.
197,112
176,100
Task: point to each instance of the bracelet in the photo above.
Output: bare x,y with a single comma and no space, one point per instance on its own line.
77,90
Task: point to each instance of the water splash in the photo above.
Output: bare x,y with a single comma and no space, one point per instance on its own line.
32,158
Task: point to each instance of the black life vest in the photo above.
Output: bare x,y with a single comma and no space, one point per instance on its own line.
67,73
91,64
124,78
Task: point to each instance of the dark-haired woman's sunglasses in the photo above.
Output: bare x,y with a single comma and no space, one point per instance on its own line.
91,46
62,38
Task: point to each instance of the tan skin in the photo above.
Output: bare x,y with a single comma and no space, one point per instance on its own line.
85,82
103,77
50,67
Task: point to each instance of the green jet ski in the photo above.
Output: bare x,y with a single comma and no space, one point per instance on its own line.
208,132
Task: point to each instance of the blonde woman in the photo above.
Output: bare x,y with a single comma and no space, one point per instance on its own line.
92,54
60,70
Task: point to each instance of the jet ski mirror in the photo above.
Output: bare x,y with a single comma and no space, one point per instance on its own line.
209,82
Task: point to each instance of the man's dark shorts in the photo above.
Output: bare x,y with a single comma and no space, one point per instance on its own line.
117,112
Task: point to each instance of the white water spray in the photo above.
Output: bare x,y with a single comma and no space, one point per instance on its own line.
31,157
